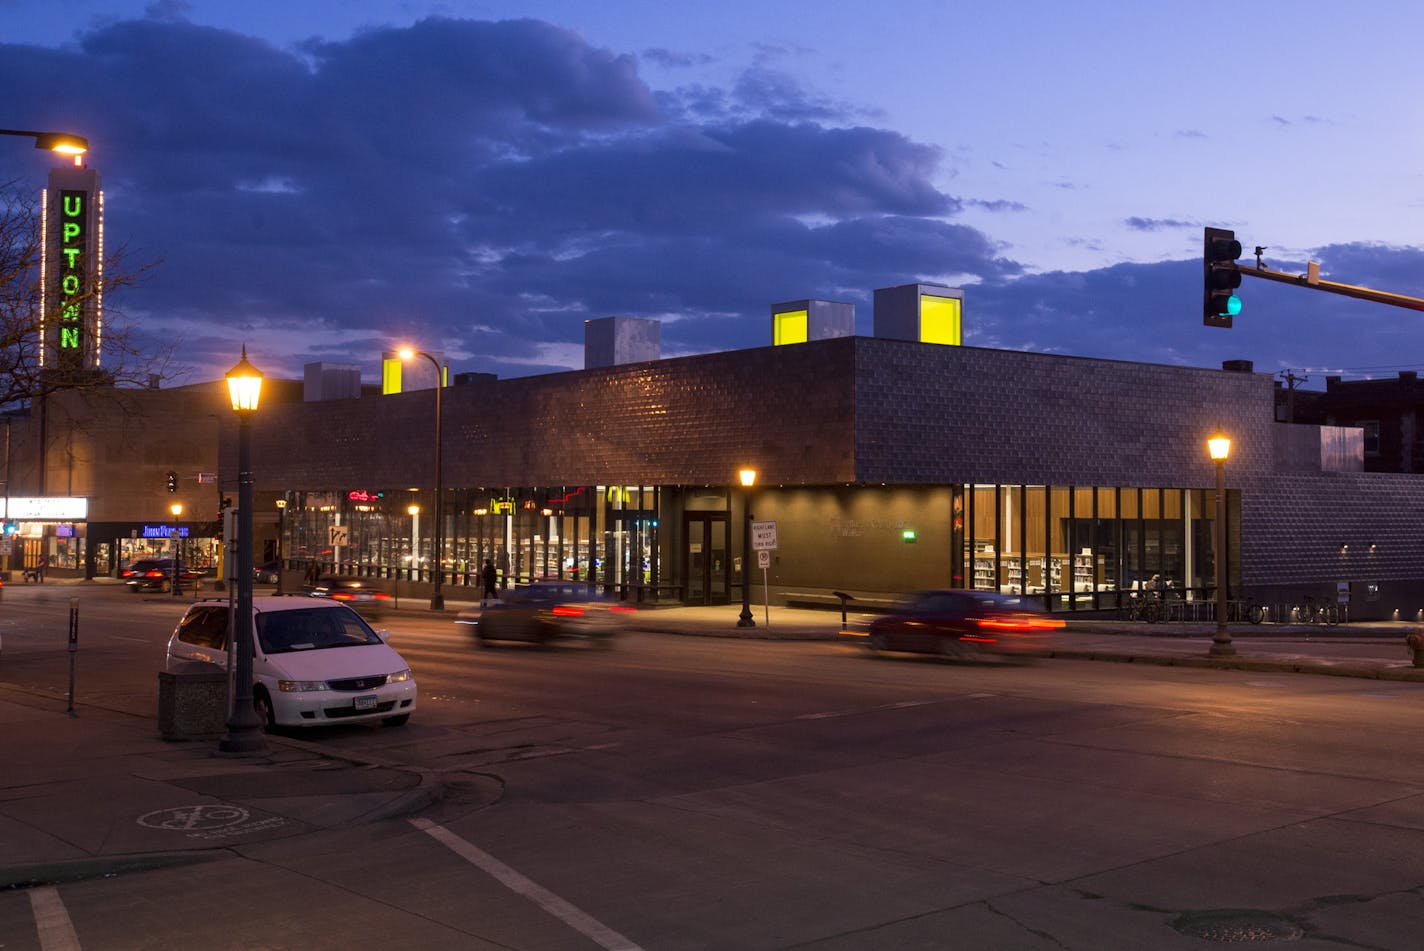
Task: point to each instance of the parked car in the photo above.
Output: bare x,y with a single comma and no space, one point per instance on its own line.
314,662
547,611
961,624
156,574
363,594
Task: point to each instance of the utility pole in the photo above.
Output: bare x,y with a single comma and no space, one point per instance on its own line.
1291,380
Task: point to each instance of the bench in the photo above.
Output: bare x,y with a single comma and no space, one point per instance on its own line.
823,599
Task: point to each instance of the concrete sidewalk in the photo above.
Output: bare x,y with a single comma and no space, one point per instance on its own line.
99,792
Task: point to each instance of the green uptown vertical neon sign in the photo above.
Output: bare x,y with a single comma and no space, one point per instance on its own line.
73,245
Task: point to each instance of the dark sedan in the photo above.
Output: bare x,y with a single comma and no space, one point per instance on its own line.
361,594
156,574
961,624
546,611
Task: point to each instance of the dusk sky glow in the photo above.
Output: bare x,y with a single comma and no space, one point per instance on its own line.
325,180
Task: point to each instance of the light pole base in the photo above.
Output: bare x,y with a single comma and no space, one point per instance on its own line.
437,602
1221,646
244,736
243,744
746,619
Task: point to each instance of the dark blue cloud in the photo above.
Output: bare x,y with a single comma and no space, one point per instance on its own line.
1152,313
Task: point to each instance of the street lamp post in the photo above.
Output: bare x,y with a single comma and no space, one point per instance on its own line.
1219,446
60,142
748,478
437,598
244,730
175,584
281,534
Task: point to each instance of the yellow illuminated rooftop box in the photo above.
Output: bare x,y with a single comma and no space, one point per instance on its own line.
798,321
925,313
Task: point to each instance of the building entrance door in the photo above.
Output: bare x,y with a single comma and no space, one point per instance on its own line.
705,564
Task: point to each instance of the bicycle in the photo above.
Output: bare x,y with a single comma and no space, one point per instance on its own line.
1316,612
1148,609
1246,610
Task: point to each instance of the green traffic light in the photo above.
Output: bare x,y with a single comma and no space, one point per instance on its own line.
1233,305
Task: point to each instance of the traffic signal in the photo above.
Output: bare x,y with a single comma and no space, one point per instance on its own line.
172,481
1220,277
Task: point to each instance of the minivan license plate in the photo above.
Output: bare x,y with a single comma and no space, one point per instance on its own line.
365,703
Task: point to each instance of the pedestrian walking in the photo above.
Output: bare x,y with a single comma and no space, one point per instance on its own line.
488,579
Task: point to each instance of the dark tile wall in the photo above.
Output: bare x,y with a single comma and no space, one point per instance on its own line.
786,411
937,414
1294,526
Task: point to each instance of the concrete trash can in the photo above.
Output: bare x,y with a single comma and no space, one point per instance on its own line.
192,701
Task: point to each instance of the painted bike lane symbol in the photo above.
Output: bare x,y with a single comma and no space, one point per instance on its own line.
194,818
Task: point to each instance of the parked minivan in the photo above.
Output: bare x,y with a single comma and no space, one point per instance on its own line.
314,663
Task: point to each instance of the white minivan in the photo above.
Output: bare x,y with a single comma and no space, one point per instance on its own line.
314,663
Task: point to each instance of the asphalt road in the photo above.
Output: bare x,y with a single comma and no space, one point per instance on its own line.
705,793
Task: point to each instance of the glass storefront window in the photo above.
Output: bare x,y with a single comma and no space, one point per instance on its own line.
1036,563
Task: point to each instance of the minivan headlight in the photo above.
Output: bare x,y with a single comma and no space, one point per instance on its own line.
301,686
399,677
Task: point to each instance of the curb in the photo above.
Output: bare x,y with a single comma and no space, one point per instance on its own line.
1365,672
78,870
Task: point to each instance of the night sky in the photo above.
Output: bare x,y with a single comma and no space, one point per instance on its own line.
324,181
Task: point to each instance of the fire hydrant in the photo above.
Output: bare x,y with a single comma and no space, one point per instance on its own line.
1415,641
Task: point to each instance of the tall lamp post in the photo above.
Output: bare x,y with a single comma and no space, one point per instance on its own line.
281,545
1219,446
748,479
175,584
244,730
437,598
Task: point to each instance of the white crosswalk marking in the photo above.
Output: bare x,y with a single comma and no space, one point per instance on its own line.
52,921
573,917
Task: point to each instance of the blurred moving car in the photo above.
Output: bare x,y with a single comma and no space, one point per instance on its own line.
961,624
359,593
313,662
546,611
266,573
156,574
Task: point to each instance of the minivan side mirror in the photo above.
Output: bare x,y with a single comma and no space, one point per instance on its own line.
384,634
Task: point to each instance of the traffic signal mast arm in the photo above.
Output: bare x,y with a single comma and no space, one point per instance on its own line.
1312,279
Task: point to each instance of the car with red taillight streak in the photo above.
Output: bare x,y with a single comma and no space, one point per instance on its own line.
962,624
547,611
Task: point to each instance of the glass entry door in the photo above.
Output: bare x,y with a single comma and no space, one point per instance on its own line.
706,566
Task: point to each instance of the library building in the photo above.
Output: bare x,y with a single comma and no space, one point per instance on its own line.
893,463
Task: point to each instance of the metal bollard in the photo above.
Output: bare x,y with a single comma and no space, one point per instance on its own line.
73,648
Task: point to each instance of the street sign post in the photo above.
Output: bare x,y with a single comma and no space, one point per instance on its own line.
764,543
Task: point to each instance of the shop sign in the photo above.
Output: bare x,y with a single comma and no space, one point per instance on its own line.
47,509
73,245
163,531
